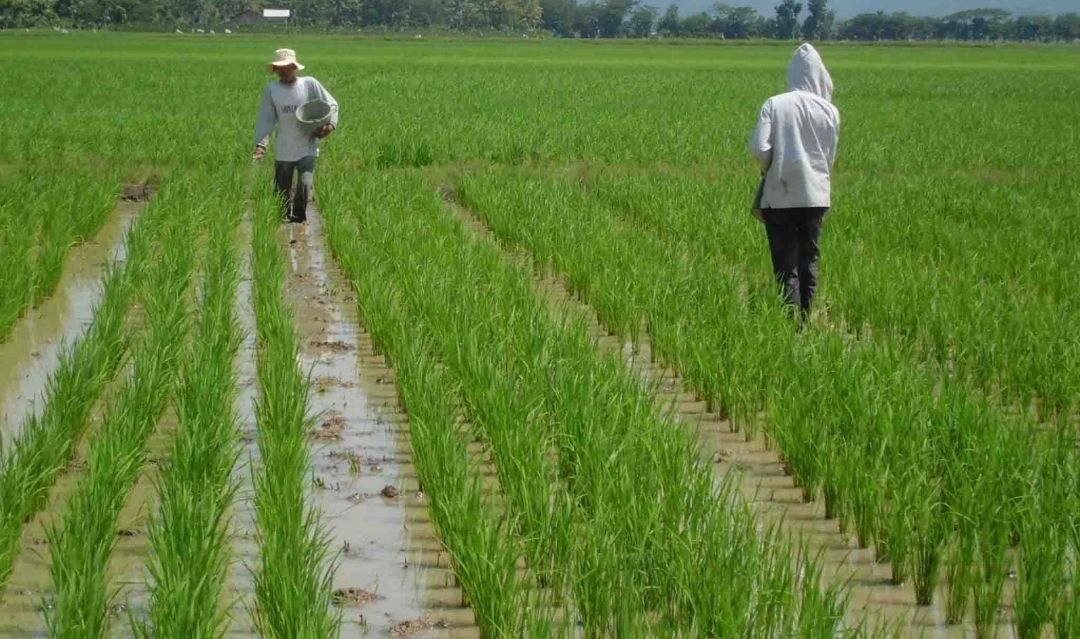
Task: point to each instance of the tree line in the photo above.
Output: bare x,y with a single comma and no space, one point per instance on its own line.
564,18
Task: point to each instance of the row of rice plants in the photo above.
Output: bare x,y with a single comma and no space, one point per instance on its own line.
31,462
479,535
293,581
82,543
996,281
44,212
655,544
189,532
903,454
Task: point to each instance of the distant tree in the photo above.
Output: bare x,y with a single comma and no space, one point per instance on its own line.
612,17
787,19
642,21
557,16
975,24
1032,29
819,20
1067,27
736,22
670,24
697,25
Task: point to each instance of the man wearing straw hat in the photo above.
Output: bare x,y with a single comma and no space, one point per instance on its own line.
296,148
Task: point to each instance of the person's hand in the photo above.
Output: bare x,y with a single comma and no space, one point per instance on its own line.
326,130
259,154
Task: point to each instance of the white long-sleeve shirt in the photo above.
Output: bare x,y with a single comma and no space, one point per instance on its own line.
279,104
797,135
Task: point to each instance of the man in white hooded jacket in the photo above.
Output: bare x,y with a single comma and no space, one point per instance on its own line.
795,142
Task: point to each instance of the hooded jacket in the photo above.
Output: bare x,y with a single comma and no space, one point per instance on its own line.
796,137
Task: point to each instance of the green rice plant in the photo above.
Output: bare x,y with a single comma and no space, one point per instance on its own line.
484,545
189,532
82,543
648,533
31,462
48,210
294,577
843,410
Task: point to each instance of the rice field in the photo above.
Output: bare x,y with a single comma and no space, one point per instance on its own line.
524,372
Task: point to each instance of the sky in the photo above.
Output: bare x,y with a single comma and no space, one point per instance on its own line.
848,8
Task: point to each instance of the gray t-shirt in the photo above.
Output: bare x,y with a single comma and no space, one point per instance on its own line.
279,104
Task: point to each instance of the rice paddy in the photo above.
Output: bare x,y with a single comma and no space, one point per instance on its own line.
525,373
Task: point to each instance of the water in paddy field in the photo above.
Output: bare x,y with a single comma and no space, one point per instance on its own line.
32,351
392,577
27,358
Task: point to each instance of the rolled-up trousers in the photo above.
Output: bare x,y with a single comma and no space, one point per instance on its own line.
294,200
793,242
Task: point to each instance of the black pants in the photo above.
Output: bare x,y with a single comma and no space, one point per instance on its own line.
295,207
793,242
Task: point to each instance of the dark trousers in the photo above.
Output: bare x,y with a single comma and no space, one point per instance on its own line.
295,207
793,242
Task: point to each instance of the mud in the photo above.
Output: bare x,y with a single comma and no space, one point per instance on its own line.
29,356
364,481
240,588
127,565
138,192
873,598
29,591
32,351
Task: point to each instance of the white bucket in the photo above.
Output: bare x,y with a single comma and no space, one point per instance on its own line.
313,115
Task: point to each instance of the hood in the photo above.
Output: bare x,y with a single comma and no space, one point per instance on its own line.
808,73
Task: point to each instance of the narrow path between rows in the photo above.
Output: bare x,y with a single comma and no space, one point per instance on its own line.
393,577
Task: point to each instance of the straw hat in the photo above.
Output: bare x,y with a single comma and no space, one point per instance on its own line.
283,58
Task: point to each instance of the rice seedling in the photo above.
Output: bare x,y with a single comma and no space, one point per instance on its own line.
625,513
46,211
81,544
189,532
293,581
30,463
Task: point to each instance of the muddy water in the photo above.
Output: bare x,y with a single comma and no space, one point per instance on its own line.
245,550
29,356
32,351
393,577
873,598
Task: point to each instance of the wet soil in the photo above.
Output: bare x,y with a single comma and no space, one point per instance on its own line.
32,351
393,576
763,479
240,588
28,357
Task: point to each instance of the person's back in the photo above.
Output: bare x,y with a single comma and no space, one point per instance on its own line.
797,136
795,141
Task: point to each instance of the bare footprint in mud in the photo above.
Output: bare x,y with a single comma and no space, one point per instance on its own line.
138,192
333,346
411,627
355,597
331,429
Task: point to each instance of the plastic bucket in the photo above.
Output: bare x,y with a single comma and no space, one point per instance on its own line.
313,115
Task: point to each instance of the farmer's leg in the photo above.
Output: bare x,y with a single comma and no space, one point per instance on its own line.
809,255
283,179
306,168
784,247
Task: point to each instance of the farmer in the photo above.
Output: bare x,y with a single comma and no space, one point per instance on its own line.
295,150
795,143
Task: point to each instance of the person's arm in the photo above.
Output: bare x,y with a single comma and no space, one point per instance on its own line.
835,142
264,124
761,138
